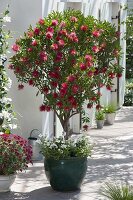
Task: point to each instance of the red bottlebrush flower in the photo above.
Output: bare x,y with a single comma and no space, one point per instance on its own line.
63,32
73,37
54,75
29,49
45,90
103,45
42,108
35,73
71,78
36,31
88,57
48,108
43,56
116,52
54,22
89,105
75,89
96,33
108,87
55,95
20,86
104,69
73,52
73,61
59,56
63,92
54,84
30,34
119,75
10,66
99,94
73,19
64,85
93,99
34,43
111,75
84,28
83,66
85,127
98,107
95,49
49,35
71,99
17,70
50,29
59,104
41,21
30,82
61,43
15,47
74,104
54,46
90,73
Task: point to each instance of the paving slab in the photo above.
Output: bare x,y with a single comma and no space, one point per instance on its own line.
112,160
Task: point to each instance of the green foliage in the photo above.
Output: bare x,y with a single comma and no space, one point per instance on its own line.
100,115
129,42
128,98
59,148
111,108
117,191
6,110
67,56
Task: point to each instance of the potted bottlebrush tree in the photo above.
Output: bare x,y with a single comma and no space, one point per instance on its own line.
67,57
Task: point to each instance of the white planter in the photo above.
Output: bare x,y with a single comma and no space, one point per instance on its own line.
100,124
110,118
6,182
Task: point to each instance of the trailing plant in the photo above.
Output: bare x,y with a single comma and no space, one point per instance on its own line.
7,114
67,57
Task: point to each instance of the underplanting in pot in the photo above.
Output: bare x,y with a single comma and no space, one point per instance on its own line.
65,161
100,117
110,112
15,154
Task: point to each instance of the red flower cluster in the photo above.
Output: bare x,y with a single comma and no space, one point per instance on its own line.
15,154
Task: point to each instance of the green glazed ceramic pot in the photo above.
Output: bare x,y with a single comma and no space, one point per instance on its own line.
66,174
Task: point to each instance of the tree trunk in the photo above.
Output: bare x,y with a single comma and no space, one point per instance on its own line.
66,129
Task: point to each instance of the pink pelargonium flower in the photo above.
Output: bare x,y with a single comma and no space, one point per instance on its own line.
54,22
73,52
15,47
49,35
54,46
96,33
59,56
64,85
50,29
73,19
90,73
54,75
29,49
71,78
36,31
88,57
73,37
61,42
43,56
84,28
41,21
83,66
95,49
34,43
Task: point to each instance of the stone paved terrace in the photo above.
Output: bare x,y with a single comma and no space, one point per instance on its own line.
112,159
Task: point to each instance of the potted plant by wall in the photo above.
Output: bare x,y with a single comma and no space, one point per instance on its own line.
67,57
100,117
110,112
15,154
